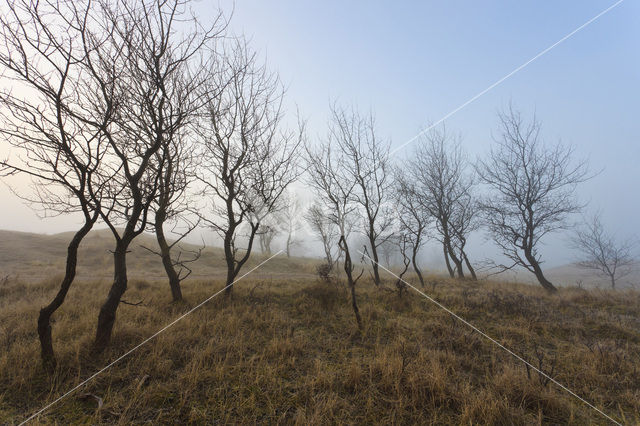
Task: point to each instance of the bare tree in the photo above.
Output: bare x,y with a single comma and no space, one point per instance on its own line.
366,161
438,166
141,66
601,251
248,160
266,233
324,228
404,245
177,160
531,194
47,117
387,250
413,218
291,223
334,186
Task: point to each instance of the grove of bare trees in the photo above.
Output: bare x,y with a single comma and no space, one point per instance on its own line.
134,115
442,186
110,103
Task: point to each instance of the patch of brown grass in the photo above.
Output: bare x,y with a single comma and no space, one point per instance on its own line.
288,351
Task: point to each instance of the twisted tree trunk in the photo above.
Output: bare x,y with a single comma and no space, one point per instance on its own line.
537,270
165,253
446,260
44,318
468,263
414,255
107,316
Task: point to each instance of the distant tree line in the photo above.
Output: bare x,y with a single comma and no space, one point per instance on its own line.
136,115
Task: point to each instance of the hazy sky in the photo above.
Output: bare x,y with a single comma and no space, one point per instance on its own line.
413,62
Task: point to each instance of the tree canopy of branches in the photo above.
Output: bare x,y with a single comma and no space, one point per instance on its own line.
601,251
248,160
442,187
48,117
532,191
366,162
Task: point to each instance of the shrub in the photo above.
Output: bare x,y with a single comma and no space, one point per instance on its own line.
325,272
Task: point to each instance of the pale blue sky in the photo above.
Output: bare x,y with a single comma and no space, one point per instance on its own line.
413,62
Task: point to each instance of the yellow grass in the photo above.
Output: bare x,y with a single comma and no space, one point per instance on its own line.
287,351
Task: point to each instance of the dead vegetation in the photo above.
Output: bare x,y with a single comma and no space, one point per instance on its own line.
288,352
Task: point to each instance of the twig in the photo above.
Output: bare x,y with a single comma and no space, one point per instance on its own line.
131,303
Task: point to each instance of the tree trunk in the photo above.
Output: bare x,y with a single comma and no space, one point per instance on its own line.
348,269
446,260
456,261
165,252
415,266
354,303
537,270
469,267
229,259
107,316
374,264
44,319
289,245
230,277
613,281
458,264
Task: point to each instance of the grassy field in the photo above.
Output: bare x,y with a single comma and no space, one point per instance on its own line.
287,351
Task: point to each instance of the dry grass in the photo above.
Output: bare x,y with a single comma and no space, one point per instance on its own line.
33,257
288,352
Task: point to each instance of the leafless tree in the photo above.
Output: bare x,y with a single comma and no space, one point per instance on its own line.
404,244
144,68
388,249
413,218
532,189
177,159
248,159
266,233
47,117
366,161
324,228
438,167
334,186
291,223
601,251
